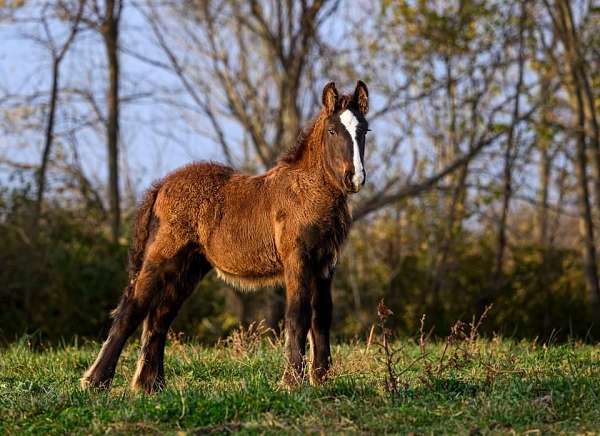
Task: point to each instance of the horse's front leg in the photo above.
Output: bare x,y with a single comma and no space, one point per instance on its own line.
298,315
322,308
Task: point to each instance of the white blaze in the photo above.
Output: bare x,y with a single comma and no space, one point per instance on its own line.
351,123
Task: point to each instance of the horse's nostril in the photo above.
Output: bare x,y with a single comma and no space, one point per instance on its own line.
348,179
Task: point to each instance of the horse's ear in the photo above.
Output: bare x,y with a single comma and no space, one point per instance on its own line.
330,98
361,97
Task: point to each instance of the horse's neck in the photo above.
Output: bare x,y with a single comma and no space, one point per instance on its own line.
313,167
317,190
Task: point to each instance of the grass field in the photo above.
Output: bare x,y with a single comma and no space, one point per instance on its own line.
479,386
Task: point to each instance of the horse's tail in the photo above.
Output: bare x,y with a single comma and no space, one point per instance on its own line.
141,230
142,227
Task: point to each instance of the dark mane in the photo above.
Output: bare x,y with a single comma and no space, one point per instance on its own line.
295,152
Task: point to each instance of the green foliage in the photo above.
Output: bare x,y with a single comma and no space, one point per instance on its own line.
541,294
61,284
445,29
66,284
511,386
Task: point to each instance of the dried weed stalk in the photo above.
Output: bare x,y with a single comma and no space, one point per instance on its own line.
460,349
245,341
390,356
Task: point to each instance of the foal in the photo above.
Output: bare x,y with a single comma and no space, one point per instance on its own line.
284,227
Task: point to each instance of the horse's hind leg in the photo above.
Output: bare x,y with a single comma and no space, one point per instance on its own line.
131,310
188,268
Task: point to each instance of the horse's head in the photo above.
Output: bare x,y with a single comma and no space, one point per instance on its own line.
344,131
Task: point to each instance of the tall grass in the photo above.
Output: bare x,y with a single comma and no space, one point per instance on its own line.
499,386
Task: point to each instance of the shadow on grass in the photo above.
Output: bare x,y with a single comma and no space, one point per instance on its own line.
446,388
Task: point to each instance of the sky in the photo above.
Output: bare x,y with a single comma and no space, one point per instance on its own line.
153,138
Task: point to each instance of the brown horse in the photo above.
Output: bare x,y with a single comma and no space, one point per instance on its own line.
285,227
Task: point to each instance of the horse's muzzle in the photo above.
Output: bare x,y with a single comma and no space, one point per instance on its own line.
353,183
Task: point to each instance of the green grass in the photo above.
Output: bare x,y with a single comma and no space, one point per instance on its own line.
492,386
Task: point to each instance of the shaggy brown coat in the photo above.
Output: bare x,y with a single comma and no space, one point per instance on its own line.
284,227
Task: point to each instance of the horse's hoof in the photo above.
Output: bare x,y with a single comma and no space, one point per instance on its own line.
90,382
290,381
317,378
147,386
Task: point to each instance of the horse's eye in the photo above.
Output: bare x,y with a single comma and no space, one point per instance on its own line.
332,132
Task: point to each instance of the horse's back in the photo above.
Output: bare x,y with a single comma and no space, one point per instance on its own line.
194,182
200,176
188,194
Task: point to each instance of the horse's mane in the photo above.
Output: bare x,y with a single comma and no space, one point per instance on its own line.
295,152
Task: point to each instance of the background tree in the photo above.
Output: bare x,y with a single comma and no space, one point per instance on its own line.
57,51
105,19
482,162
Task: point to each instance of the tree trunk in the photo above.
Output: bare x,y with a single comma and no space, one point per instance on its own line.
57,57
564,27
544,141
509,157
41,177
544,174
578,62
497,281
586,223
110,32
